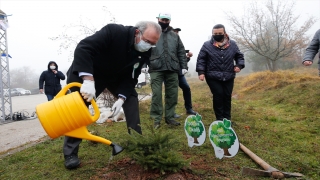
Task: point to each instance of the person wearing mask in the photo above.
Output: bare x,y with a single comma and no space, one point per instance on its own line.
184,86
111,58
312,50
218,62
50,80
166,60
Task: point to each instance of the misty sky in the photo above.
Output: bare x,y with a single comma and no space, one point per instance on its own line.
33,22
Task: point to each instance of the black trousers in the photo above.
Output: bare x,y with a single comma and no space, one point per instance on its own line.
222,92
130,108
183,84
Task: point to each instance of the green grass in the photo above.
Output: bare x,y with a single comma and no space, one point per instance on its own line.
275,115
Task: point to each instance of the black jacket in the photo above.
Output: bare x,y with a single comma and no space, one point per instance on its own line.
313,48
216,63
110,56
50,80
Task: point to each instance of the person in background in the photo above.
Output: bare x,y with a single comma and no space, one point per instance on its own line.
166,60
111,58
50,81
218,62
183,84
312,50
176,30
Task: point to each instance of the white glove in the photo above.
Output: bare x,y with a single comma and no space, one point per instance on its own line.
184,71
116,107
145,70
87,90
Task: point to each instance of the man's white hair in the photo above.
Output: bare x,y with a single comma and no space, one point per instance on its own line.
143,25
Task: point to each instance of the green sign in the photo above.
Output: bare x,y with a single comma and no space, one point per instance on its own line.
195,130
223,139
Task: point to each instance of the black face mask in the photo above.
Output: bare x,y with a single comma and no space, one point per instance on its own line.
218,38
163,25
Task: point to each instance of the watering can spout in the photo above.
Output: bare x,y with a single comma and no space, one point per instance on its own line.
83,133
116,149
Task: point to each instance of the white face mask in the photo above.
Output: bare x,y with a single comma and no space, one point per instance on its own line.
143,46
52,67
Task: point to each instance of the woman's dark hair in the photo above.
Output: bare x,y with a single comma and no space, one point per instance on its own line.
218,26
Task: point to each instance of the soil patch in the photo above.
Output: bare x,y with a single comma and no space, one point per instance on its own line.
129,170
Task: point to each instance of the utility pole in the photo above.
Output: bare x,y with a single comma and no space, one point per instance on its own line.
5,96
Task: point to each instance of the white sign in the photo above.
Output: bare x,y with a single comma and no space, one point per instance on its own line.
195,130
223,139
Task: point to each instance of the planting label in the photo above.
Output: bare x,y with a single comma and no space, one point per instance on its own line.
223,139
195,130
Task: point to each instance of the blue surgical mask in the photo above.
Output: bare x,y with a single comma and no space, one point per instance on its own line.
143,46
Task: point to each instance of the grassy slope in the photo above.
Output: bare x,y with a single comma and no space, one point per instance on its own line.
282,110
275,115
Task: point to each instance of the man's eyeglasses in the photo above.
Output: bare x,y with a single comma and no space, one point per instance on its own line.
147,41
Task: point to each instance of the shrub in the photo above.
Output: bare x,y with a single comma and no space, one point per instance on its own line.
154,150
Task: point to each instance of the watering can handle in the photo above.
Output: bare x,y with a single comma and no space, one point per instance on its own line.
76,84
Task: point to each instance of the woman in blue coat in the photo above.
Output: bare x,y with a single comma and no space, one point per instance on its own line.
50,80
218,62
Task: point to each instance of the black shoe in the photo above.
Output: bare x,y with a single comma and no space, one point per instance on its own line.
156,125
191,112
176,115
172,122
71,161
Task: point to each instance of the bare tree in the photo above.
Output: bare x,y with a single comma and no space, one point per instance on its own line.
270,31
75,32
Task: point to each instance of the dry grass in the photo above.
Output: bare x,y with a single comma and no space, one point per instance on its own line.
266,80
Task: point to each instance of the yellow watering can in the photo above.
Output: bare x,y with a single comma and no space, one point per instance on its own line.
68,115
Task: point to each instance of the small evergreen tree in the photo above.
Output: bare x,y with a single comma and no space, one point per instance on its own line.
154,150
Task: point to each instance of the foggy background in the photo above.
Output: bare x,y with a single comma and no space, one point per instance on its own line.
33,24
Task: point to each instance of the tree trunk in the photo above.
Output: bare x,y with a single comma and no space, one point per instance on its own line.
274,65
226,152
195,140
268,64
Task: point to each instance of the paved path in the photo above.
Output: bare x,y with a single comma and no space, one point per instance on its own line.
19,133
